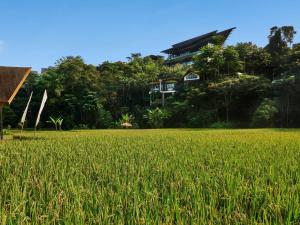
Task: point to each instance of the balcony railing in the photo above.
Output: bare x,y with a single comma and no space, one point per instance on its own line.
174,58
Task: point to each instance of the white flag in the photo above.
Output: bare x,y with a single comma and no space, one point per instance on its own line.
41,108
26,109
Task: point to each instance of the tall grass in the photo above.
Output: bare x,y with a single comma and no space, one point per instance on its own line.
151,177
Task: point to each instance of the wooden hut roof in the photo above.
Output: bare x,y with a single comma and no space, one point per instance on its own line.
11,80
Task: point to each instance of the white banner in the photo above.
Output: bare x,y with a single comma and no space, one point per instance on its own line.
41,108
26,109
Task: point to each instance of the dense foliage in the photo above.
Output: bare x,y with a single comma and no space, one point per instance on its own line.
151,177
235,82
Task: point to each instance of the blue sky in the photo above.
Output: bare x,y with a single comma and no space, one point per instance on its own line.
38,32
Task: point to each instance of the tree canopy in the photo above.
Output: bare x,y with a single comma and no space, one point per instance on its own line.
240,85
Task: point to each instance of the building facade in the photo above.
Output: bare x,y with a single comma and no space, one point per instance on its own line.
183,53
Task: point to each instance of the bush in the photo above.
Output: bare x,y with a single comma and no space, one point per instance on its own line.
104,119
82,127
125,118
201,119
156,117
9,116
68,122
7,132
221,125
265,114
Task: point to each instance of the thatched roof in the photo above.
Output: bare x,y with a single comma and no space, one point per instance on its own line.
11,80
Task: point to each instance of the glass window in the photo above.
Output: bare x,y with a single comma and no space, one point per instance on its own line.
191,76
170,87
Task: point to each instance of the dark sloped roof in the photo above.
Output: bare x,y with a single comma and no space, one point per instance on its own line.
227,32
197,42
193,40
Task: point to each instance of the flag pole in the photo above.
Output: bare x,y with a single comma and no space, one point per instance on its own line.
25,113
40,111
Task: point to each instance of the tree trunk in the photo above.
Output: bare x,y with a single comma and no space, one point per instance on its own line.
287,110
282,114
228,69
227,102
124,97
143,94
227,113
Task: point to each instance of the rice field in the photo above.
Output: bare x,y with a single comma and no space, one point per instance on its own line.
151,177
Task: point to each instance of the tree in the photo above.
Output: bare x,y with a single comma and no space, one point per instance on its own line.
156,117
214,60
284,89
293,66
255,60
280,39
264,116
209,61
230,87
232,61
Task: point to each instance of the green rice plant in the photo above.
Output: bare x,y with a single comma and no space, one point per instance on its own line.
172,176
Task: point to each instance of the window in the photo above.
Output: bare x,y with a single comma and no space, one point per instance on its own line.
155,88
170,86
191,76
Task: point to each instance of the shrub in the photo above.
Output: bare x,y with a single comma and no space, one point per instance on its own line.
7,131
126,120
201,119
221,125
105,119
9,116
82,127
265,114
156,117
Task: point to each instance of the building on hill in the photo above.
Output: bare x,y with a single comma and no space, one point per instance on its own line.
44,70
160,89
168,86
183,52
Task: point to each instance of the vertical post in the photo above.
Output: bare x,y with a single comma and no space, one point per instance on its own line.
1,122
163,99
22,126
160,85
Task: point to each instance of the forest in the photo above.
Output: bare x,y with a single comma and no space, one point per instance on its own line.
240,86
